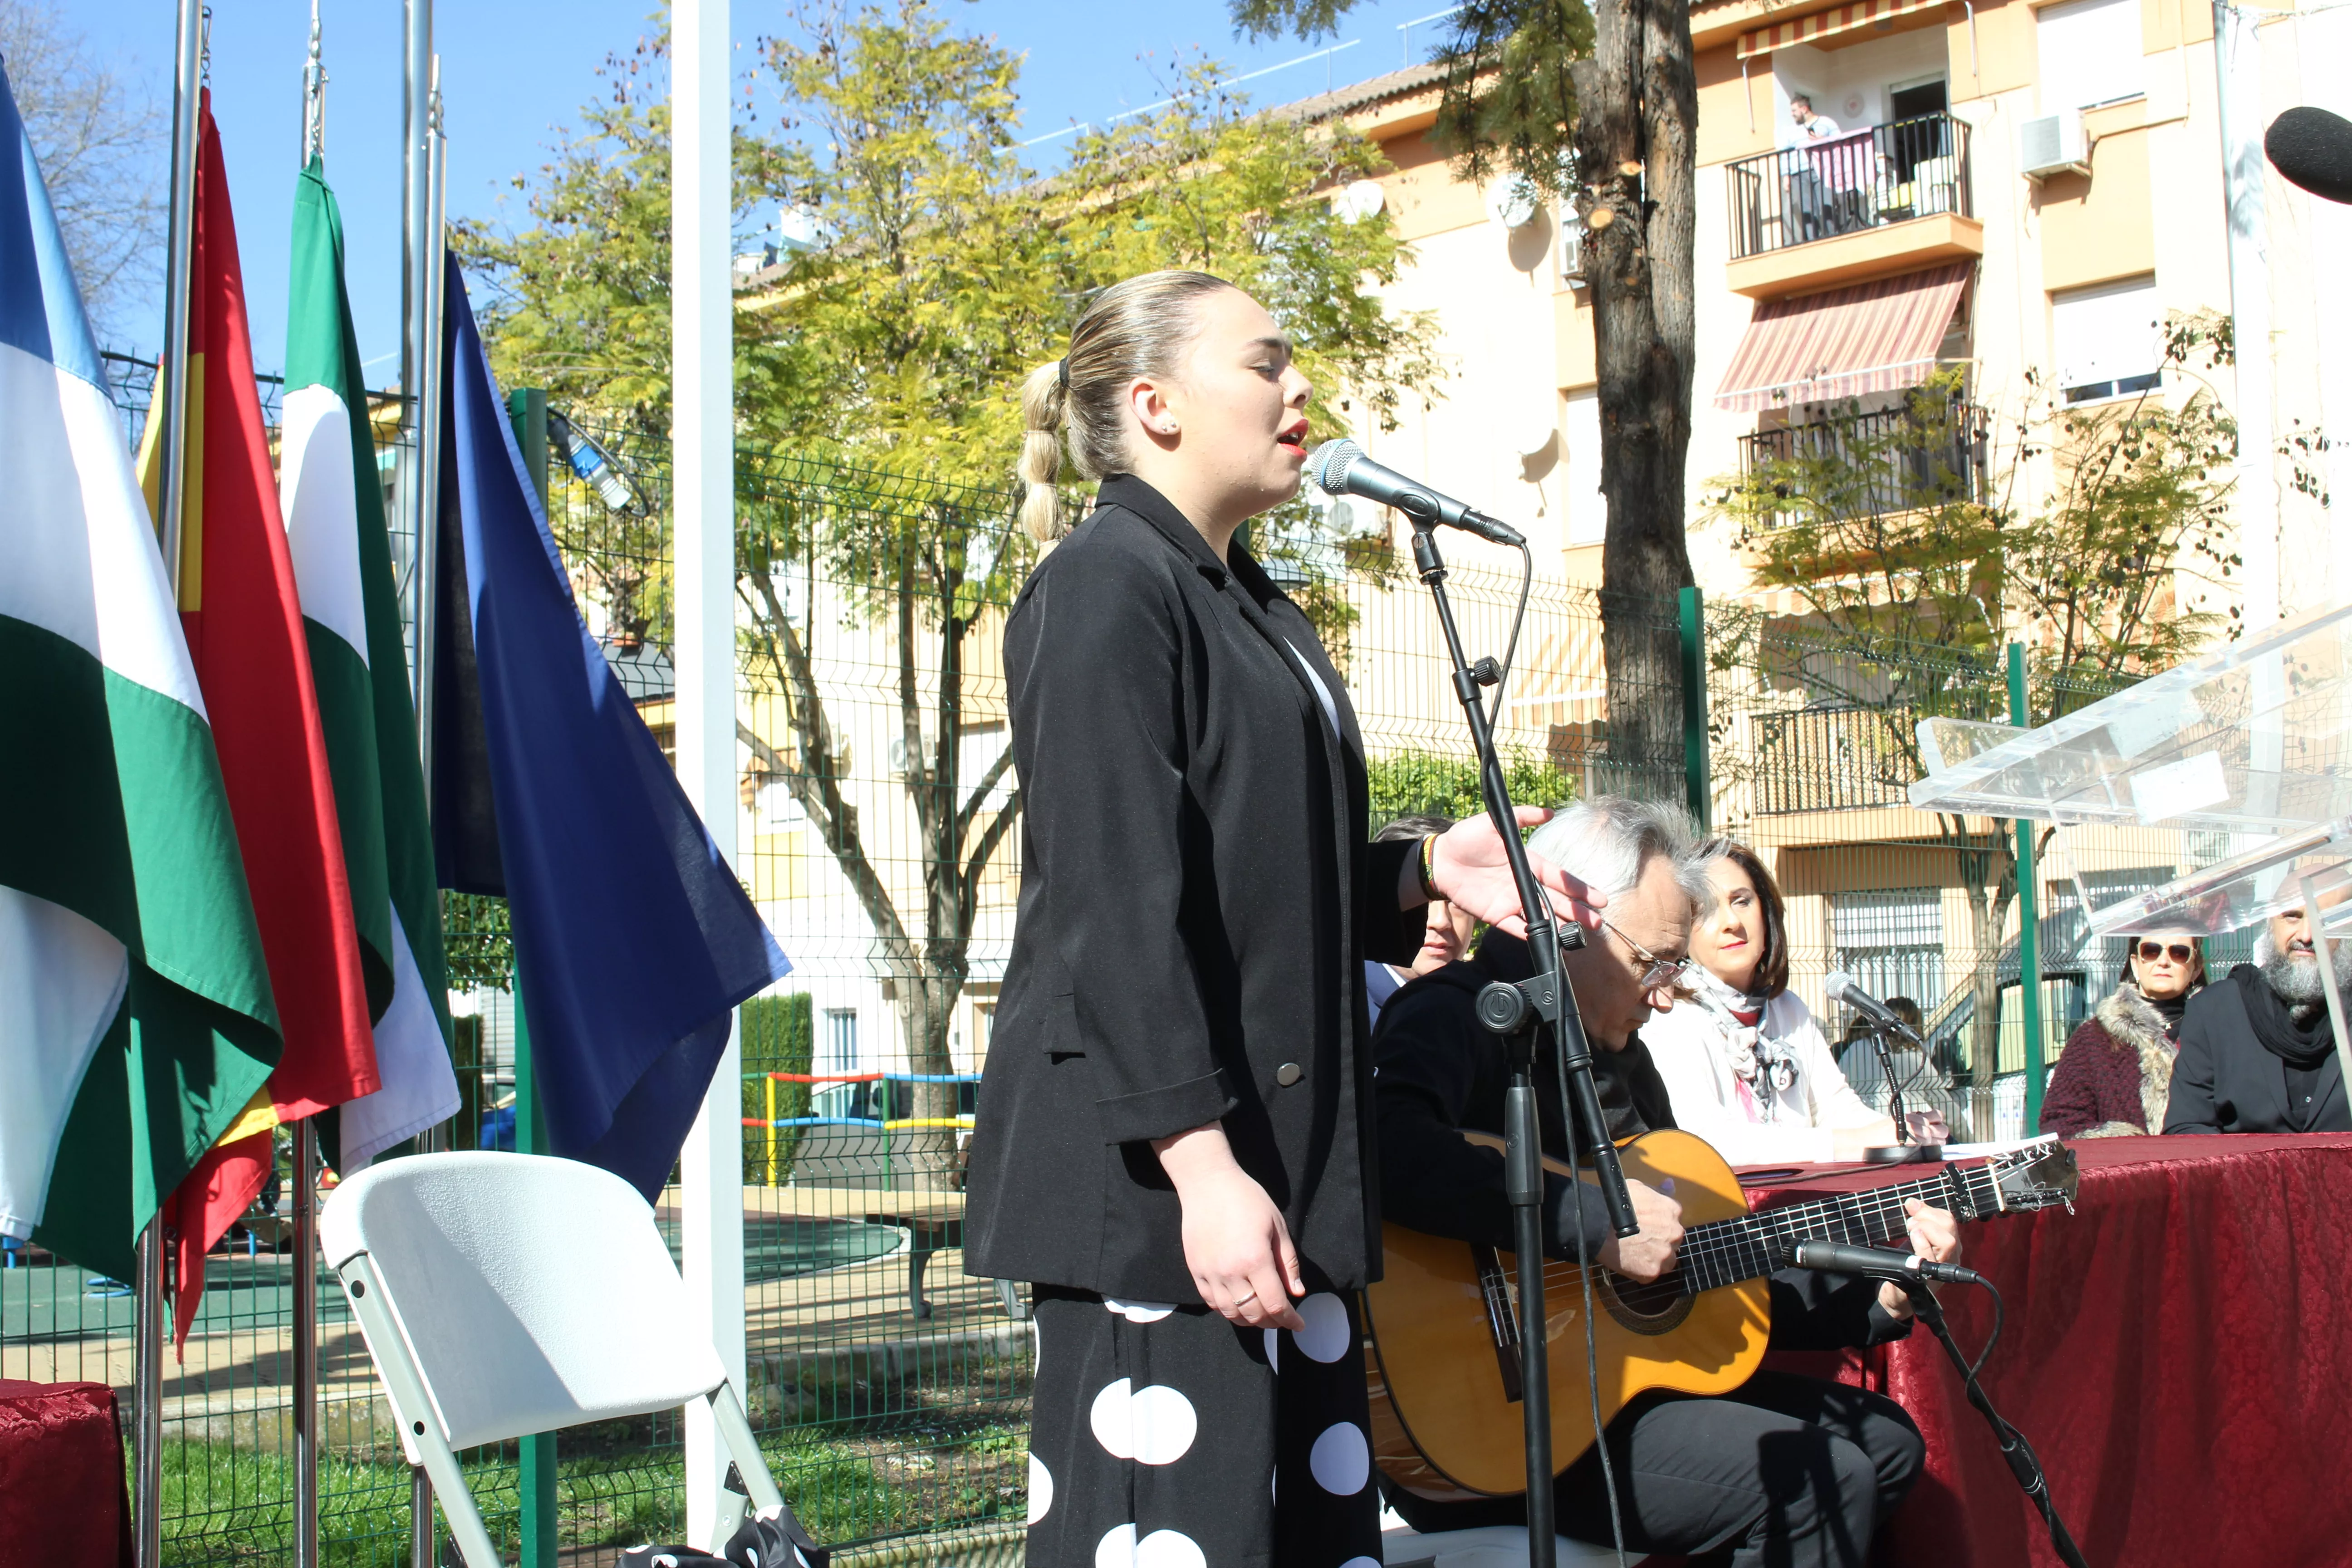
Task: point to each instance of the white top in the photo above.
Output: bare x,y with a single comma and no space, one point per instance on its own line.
1792,1107
1382,982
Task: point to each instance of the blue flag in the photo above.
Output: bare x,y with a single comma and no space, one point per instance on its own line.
633,939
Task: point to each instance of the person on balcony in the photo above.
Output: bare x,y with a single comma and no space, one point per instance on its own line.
2116,1072
1445,938
1805,201
1812,125
2257,1052
1745,1064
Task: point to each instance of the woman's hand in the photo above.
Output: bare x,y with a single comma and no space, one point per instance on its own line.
1234,1241
1936,1236
1472,872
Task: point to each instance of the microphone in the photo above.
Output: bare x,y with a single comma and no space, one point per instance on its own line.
2314,149
1840,987
1341,468
1880,1263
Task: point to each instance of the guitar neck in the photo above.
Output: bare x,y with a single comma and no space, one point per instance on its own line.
1726,1251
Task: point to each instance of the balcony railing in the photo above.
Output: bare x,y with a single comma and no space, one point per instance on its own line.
1883,174
1875,464
1833,759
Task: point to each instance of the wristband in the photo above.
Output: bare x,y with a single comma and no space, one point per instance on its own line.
1429,881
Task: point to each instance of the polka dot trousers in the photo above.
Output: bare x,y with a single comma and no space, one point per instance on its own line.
1166,1437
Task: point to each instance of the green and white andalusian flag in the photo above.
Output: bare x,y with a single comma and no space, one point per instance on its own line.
331,493
136,1018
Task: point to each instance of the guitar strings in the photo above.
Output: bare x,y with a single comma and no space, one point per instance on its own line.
1745,1247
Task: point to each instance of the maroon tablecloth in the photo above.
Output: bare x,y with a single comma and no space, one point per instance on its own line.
62,1499
2179,1351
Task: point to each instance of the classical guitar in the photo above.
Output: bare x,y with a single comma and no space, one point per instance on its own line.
1445,1361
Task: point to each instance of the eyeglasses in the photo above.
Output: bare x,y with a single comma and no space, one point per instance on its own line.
2180,951
1658,973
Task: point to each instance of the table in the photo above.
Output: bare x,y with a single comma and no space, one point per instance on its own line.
2178,1352
62,1496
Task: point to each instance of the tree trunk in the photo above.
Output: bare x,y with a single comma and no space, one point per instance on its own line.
1637,176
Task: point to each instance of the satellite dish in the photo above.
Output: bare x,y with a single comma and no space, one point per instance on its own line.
1534,436
1512,202
1340,519
1359,200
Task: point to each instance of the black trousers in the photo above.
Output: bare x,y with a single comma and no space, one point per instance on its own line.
1164,1437
1793,1472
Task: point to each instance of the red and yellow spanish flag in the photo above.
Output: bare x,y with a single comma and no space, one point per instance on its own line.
246,638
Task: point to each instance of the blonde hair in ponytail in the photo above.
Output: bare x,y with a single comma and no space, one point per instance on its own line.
1136,327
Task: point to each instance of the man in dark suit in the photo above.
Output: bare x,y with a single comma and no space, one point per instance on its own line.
1786,1469
2257,1052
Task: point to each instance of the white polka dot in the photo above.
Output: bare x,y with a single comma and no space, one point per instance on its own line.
1163,1424
1116,1548
1139,1312
1108,1417
1168,1549
1152,1426
1040,1489
1325,1337
1273,1349
1361,1562
1341,1460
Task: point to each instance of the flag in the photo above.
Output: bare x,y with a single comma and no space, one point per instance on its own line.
332,495
245,636
633,939
135,1011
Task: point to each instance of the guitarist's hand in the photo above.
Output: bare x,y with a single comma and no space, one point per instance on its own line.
1936,1236
1235,1243
1648,1253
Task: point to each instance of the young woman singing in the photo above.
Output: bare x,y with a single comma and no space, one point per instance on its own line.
1174,1123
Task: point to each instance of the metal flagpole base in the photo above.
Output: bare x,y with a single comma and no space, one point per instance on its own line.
306,1345
424,1547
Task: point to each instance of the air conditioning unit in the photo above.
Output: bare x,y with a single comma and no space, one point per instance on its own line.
1571,250
2053,144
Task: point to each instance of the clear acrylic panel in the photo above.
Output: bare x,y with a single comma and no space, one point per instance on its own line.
2255,737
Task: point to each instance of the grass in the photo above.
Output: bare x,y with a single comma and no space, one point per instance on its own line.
618,1483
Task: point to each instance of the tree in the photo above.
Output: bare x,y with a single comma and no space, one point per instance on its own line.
876,376
1598,109
1922,543
103,150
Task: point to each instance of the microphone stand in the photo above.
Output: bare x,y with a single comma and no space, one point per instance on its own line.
2022,1462
1514,1013
1893,1089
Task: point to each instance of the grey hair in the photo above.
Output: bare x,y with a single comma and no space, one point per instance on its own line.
1141,327
1610,840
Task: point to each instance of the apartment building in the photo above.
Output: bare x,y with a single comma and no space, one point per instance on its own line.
2022,192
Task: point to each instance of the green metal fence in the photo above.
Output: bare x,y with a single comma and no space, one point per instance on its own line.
879,836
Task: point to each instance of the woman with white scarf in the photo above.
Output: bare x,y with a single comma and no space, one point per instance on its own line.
1746,1066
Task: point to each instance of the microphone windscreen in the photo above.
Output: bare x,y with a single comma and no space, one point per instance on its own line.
2312,149
1328,464
1838,983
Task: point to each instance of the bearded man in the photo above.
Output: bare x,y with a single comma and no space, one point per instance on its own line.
2257,1054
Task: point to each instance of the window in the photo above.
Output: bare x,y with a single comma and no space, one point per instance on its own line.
837,1053
1588,512
840,1040
1891,941
2089,53
2105,341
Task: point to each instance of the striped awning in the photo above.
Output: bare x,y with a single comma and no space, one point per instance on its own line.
1826,23
1870,337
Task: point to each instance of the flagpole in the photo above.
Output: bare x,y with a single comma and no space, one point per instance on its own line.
416,352
306,1344
147,1393
702,436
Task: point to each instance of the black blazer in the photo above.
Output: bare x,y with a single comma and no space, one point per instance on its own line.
1197,899
2224,1081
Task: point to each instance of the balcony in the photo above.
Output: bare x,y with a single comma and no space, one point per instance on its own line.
1884,199
1874,465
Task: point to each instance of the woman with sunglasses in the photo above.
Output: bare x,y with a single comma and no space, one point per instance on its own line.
1743,1060
2115,1073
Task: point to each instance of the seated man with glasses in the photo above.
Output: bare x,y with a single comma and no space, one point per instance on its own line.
1786,1469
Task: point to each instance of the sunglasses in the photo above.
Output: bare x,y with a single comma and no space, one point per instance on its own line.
2180,952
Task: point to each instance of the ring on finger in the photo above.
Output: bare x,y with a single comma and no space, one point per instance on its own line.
1244,1299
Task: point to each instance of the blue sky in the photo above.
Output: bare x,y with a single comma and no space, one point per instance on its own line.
514,72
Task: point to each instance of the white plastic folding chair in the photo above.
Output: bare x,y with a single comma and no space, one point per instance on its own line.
507,1294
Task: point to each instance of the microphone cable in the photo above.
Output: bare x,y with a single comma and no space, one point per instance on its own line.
1592,1331
1511,648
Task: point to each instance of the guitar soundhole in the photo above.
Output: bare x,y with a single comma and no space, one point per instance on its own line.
1657,1308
